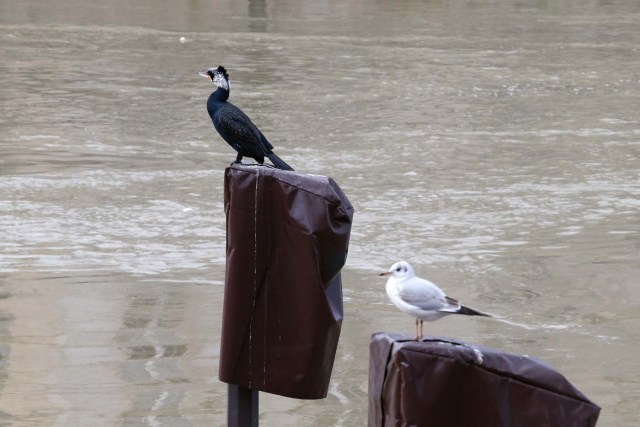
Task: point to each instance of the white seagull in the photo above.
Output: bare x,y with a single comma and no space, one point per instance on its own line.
419,297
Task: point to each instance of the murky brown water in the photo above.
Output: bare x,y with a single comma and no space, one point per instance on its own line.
495,145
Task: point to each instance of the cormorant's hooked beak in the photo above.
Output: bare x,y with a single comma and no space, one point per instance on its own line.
386,273
205,75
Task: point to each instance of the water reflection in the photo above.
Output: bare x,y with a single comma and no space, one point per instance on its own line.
257,12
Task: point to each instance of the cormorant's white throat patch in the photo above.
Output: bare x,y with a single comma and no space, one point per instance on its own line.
220,81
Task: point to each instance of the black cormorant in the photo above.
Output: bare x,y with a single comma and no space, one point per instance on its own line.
234,126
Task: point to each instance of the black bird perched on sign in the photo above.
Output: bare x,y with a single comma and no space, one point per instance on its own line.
234,126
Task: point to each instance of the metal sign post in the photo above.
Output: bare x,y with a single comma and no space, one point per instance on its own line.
242,406
287,240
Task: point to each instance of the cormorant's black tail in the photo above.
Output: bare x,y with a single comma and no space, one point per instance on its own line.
470,312
278,162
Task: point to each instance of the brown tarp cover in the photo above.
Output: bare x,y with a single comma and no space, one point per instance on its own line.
287,240
443,382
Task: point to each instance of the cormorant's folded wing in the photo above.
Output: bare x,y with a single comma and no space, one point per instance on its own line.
238,130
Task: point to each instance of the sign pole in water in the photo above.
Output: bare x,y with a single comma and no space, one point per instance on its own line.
242,406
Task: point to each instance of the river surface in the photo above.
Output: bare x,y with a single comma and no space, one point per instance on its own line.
493,144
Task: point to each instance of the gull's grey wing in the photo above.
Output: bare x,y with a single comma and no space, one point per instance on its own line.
423,294
453,305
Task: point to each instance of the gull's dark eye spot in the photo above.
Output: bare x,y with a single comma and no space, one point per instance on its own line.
398,269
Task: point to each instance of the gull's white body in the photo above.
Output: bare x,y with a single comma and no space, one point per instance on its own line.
417,297
420,298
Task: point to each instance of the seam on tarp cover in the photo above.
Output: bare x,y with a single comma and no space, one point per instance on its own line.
384,380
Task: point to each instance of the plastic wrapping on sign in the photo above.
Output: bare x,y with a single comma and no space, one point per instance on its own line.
442,382
287,240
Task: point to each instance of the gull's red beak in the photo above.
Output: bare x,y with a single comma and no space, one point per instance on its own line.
386,273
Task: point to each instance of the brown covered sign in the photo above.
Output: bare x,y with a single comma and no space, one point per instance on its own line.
287,240
443,382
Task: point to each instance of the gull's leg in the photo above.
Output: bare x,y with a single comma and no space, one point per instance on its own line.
416,338
421,333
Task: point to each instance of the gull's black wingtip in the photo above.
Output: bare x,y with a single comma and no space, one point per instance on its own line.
471,312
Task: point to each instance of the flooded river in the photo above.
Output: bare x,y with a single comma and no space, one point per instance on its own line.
493,144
